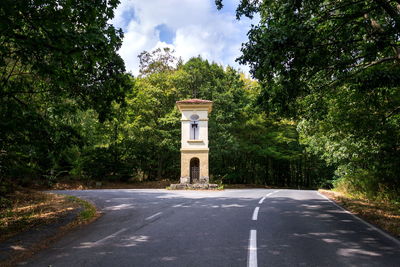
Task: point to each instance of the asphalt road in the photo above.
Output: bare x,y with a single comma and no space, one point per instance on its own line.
256,227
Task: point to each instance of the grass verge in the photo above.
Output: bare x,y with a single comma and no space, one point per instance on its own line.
383,214
88,212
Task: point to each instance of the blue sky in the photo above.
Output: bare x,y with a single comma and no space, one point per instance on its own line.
190,27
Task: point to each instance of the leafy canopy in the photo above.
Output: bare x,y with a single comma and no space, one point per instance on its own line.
303,46
62,48
335,67
57,57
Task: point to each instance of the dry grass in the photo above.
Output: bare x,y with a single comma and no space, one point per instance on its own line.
31,208
78,185
384,214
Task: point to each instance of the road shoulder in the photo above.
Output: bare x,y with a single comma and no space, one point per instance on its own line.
381,214
36,235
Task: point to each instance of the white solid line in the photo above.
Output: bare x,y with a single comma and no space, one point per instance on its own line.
255,214
261,200
395,240
252,255
152,216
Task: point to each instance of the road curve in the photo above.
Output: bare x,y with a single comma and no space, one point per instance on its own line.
255,227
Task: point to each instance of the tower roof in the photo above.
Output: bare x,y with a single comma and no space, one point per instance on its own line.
194,101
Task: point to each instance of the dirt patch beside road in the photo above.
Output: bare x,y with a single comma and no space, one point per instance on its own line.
35,219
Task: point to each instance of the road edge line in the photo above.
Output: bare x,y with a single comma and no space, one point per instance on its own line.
388,236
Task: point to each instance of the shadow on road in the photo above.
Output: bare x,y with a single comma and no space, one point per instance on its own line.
163,228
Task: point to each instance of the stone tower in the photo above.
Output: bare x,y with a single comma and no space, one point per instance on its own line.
194,142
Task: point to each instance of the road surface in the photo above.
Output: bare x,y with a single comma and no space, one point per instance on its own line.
255,227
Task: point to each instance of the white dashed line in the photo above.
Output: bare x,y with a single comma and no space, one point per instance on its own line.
252,255
267,195
110,236
178,205
272,193
152,216
261,200
255,214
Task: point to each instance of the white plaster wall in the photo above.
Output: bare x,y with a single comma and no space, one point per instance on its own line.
203,132
185,132
203,114
203,129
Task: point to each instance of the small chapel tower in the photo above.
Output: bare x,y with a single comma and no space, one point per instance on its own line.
194,141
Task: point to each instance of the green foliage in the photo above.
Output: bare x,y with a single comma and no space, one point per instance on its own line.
67,107
61,49
159,60
57,59
334,66
246,146
300,47
88,209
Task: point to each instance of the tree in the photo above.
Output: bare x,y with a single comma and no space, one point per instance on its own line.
142,141
159,60
56,57
61,49
334,66
245,145
302,46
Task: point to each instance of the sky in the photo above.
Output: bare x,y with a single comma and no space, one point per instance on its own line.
190,27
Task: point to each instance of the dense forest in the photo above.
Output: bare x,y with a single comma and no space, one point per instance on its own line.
141,139
322,106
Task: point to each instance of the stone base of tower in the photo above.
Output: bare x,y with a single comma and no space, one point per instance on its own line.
201,180
194,186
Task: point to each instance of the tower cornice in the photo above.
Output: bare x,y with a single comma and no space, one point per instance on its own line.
194,104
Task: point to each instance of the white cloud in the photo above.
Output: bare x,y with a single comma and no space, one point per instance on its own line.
200,29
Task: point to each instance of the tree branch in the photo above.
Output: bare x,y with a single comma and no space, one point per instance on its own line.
9,75
27,92
393,112
342,6
19,101
392,12
377,62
